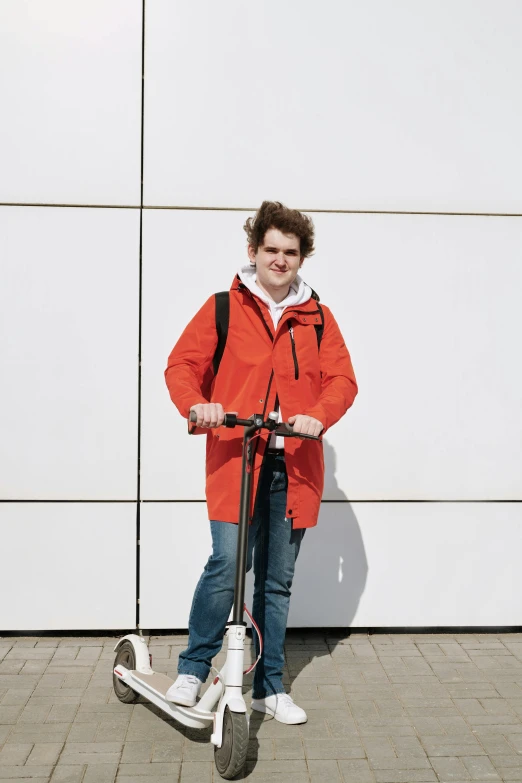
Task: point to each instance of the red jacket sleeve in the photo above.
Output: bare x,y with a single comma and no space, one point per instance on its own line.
338,384
189,364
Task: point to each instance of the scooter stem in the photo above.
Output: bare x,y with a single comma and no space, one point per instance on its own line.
244,508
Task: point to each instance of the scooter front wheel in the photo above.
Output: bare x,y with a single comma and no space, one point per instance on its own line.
231,756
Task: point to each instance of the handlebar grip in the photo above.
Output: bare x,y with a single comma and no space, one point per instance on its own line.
229,420
283,427
288,428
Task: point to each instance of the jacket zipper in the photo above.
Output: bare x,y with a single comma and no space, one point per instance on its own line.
294,354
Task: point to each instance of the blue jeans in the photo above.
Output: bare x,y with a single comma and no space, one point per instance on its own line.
275,548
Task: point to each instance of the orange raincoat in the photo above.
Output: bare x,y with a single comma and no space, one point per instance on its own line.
257,365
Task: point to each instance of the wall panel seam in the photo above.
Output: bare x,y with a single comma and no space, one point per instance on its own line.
253,209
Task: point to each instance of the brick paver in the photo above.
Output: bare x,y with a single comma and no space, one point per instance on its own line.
395,708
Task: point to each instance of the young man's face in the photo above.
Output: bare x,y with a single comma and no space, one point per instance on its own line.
278,260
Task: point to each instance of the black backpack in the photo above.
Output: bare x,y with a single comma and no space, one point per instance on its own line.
222,320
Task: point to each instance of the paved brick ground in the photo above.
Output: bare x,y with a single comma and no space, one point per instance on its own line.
382,709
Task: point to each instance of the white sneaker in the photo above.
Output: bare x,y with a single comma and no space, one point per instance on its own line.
282,707
185,690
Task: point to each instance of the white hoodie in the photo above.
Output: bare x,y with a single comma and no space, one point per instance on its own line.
299,293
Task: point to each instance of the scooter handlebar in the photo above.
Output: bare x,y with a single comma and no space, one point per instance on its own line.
283,428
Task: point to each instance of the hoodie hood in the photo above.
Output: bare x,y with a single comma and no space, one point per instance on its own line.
299,292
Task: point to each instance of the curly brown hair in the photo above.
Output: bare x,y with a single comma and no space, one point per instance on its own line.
273,214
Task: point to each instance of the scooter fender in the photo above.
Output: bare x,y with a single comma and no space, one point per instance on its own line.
141,651
236,705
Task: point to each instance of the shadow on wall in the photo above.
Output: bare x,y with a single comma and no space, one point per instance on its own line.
332,569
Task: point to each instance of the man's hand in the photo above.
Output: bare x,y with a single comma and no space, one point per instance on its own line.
306,424
210,414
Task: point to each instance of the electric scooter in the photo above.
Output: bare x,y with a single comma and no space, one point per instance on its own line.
133,674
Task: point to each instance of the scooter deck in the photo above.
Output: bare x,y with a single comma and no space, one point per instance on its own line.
154,686
159,682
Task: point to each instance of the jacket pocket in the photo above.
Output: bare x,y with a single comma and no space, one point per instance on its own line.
294,354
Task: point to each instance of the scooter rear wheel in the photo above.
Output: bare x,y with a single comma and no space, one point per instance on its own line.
231,756
126,657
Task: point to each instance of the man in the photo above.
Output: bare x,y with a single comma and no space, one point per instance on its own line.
271,362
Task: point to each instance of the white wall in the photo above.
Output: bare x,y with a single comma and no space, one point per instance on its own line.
377,114
340,105
70,320
69,312
429,306
364,565
71,101
68,566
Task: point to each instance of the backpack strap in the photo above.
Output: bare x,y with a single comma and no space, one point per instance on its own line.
222,300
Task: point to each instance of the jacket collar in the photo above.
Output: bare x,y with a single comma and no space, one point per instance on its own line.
308,306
